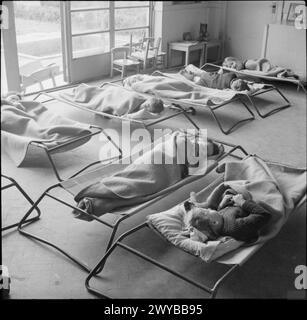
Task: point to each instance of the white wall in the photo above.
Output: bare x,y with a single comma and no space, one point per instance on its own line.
245,23
171,21
244,34
286,47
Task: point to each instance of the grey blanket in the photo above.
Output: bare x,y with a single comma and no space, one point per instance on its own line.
139,182
23,122
111,99
177,89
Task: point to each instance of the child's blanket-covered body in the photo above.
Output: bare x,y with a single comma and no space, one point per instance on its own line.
276,187
23,122
142,180
197,72
177,89
110,99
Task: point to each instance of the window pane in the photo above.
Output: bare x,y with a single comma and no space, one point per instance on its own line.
89,4
122,38
89,21
131,3
3,71
90,44
129,18
38,35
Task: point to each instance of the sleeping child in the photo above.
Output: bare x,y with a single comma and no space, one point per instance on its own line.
138,182
216,80
236,216
262,65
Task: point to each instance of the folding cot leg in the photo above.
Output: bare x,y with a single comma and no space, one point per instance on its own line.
181,111
227,131
99,130
29,235
53,165
14,183
219,282
273,88
190,110
68,255
111,239
300,85
100,265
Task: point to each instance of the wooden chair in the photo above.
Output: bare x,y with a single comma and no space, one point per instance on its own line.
159,55
35,72
146,53
122,63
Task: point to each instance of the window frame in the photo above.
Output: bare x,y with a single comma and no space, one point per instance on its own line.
112,30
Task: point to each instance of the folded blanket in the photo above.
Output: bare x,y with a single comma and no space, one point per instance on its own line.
276,187
172,88
23,122
114,100
141,181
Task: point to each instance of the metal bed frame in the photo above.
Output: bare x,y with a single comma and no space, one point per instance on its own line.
50,151
212,109
115,225
298,83
13,183
212,291
144,123
118,243
249,97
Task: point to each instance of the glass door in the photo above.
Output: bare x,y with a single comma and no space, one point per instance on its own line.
38,26
88,39
94,27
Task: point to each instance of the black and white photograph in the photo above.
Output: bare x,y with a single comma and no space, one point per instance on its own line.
153,151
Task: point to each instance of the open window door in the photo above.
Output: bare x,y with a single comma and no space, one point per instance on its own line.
32,47
87,39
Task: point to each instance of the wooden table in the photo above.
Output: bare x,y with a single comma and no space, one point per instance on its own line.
187,47
214,43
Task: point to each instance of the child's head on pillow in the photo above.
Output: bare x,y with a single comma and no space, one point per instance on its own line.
233,63
153,105
12,96
239,85
207,221
187,74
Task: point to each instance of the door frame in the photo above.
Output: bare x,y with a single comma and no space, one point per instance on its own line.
10,49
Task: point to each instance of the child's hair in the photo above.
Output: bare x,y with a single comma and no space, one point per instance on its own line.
200,218
232,62
12,94
239,85
154,105
187,74
205,221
